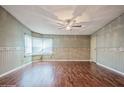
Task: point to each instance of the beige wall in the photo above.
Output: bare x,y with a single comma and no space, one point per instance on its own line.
11,42
67,47
110,42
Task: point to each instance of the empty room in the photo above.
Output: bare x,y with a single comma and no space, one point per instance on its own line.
61,46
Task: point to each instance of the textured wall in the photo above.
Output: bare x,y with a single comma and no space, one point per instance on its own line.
110,42
67,47
11,42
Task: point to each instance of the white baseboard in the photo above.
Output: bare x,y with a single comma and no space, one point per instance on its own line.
62,60
121,73
14,69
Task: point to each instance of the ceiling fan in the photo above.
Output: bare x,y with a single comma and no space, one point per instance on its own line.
67,24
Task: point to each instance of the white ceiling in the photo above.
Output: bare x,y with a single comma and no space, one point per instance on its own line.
43,19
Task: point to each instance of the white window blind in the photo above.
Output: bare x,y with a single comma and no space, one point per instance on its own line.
42,46
47,46
28,44
37,46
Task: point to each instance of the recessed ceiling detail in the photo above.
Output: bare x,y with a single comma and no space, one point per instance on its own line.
64,19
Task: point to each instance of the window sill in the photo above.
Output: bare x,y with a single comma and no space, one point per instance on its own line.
42,54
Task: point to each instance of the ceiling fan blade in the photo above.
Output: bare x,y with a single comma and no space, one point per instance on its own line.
61,27
83,23
77,26
61,24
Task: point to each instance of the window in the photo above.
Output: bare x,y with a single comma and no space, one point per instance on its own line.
42,46
37,46
47,46
28,45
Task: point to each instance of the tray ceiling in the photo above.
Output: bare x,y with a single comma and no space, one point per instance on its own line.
45,19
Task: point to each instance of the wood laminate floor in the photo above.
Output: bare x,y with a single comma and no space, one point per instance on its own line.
62,74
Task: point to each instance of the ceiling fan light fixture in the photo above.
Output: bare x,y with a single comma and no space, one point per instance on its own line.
68,28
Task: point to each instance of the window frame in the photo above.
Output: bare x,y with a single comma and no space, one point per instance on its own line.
27,54
47,54
42,40
33,47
